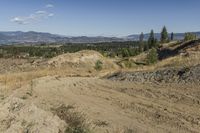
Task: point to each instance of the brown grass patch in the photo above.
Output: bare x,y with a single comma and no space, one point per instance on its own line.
76,121
16,80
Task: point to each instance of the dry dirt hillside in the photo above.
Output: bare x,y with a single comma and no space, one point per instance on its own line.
53,104
80,63
66,94
171,55
17,72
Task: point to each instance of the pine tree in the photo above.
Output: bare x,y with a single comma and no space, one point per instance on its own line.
146,47
141,43
164,35
151,40
141,37
156,43
172,36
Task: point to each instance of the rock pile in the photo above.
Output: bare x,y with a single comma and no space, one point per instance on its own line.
168,75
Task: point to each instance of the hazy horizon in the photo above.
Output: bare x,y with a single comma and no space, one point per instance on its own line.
99,18
100,35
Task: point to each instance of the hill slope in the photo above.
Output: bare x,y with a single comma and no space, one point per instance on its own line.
52,101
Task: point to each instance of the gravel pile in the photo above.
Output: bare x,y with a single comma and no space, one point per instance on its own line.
169,75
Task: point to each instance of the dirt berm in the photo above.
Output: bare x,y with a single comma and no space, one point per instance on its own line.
85,59
167,75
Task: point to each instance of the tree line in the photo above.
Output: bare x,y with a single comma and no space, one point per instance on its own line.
109,49
153,44
165,37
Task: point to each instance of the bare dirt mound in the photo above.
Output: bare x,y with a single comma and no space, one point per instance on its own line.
20,116
85,59
33,106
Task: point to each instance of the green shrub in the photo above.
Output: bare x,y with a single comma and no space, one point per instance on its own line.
98,65
190,36
125,52
152,56
128,64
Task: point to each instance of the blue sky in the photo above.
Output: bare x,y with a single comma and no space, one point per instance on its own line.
99,17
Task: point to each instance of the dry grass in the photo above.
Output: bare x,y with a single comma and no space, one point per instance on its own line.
176,61
180,61
16,80
73,64
191,58
76,121
123,130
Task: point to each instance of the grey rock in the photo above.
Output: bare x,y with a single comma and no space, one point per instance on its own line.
167,75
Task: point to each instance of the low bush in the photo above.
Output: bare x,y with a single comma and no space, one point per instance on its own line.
152,56
98,65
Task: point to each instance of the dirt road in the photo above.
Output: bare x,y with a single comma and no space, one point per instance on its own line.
109,106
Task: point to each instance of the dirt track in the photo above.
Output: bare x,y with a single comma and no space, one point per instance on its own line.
138,107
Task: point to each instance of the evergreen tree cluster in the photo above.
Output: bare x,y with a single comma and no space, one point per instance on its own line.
153,44
152,41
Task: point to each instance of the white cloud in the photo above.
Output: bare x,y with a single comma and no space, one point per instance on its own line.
32,18
51,14
40,12
49,6
20,20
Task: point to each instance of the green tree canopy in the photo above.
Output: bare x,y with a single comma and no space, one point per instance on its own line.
141,44
152,56
151,40
164,35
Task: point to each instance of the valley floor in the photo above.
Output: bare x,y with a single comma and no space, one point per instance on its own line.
109,106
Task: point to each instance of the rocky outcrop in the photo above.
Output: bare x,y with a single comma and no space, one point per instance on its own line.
168,75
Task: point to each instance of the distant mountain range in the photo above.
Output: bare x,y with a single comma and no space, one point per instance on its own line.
39,37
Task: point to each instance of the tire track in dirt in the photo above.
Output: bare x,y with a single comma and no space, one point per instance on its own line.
139,107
